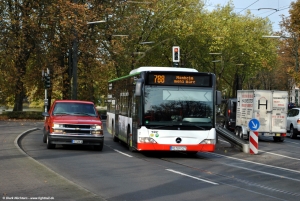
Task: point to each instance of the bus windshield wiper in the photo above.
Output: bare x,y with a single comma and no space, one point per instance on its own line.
162,126
200,127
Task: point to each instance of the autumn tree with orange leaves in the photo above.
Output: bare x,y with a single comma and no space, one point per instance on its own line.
36,35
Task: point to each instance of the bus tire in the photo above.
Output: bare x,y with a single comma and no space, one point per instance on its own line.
115,139
130,148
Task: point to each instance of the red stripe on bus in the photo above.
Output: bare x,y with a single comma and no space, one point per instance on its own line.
166,147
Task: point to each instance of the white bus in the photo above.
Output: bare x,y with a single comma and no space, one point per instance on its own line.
164,109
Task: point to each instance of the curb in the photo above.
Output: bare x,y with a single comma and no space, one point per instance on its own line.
17,143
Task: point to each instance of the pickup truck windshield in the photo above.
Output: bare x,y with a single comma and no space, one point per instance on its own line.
74,109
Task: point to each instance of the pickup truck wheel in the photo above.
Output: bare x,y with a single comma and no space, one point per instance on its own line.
98,147
49,145
293,132
45,135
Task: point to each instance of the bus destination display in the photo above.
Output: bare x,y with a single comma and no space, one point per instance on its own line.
178,79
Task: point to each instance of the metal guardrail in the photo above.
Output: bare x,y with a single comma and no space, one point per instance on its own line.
234,140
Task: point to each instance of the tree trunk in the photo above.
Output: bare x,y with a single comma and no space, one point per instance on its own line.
21,71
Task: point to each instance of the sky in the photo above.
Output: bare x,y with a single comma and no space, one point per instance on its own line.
272,9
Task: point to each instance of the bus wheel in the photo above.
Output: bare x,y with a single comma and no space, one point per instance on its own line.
115,139
128,140
191,153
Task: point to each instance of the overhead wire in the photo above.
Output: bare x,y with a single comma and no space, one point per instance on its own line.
249,6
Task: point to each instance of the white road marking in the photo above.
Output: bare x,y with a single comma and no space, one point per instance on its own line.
122,153
275,175
183,174
280,155
292,142
275,167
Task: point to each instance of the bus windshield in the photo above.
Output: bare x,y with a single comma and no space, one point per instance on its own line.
178,105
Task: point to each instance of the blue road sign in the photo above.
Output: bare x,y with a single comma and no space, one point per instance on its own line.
254,124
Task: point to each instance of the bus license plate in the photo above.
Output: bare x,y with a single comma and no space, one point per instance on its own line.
178,148
77,141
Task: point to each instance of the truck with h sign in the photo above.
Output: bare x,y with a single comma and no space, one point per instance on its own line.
269,107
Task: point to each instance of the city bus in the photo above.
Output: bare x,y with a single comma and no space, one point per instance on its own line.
164,109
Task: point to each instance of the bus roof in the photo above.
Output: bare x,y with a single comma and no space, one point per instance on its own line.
157,68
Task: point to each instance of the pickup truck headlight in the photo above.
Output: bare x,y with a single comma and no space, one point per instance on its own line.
58,125
96,127
57,128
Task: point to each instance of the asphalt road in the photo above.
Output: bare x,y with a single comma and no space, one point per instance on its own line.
228,174
23,178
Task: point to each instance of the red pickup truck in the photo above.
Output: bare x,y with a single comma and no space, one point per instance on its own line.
73,122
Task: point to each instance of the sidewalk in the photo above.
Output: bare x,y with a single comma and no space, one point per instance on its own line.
23,178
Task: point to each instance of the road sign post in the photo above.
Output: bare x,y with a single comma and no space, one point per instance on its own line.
253,137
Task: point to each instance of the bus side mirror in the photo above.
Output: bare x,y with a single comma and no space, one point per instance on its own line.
138,87
218,97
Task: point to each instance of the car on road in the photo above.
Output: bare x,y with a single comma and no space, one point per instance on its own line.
73,122
291,105
229,110
293,122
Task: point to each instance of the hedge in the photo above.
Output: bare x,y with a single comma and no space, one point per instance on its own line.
33,115
22,115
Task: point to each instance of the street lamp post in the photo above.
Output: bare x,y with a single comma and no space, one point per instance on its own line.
75,60
215,61
296,54
296,48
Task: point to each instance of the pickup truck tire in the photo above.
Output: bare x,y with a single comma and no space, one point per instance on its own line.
44,135
98,147
293,132
49,145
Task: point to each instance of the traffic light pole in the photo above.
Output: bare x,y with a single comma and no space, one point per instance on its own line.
47,84
46,101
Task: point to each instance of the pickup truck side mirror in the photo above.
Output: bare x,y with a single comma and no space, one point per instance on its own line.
45,114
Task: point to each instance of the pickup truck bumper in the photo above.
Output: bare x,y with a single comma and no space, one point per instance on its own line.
76,139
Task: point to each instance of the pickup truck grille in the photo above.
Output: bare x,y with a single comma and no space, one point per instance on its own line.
77,126
76,129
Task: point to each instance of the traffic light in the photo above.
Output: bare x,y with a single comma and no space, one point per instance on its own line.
176,53
47,82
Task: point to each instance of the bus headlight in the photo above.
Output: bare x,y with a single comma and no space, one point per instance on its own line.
146,140
208,141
